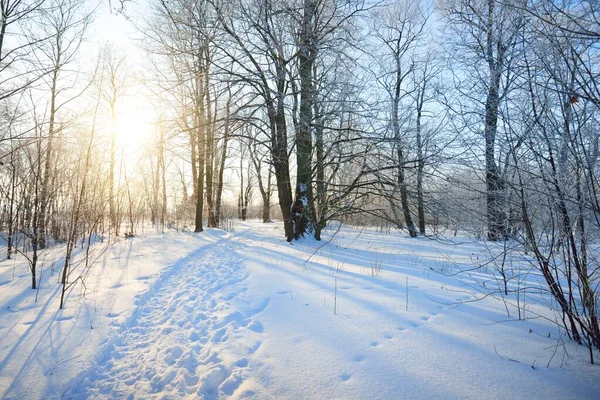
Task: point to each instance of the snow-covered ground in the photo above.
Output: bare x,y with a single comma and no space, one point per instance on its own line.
248,315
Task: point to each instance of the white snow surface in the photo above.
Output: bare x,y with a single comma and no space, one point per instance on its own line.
247,315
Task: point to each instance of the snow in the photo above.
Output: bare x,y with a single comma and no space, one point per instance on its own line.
248,315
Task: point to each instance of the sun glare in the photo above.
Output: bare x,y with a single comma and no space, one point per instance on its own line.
135,125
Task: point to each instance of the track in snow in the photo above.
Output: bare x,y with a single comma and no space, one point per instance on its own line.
176,343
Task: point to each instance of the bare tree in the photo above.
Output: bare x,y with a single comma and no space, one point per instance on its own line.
259,60
557,182
114,87
487,34
66,22
400,28
17,72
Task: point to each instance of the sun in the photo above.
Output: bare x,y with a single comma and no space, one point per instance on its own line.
134,126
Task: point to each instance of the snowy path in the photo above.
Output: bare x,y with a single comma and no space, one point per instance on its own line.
186,337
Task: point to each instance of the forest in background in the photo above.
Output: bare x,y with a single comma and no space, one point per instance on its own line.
476,116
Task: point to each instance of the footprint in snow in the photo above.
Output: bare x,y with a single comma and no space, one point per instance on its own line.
191,380
261,307
159,382
256,326
231,384
211,381
191,364
255,348
220,336
173,355
199,318
194,336
242,363
345,376
182,323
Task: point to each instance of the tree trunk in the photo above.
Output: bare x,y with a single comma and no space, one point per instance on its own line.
321,195
3,23
265,192
420,161
494,183
200,126
219,190
210,144
193,159
163,168
246,199
48,163
279,153
11,207
111,171
241,211
304,212
412,231
155,186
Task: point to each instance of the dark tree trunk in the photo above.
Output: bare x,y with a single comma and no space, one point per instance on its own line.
11,208
421,160
200,143
223,156
193,159
44,198
241,195
266,195
303,211
496,216
494,182
321,195
265,191
155,186
400,150
210,144
279,152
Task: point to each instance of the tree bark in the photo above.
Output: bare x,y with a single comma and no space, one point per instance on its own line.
210,144
304,212
48,162
421,158
279,150
223,156
496,216
321,195
163,170
412,231
111,171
